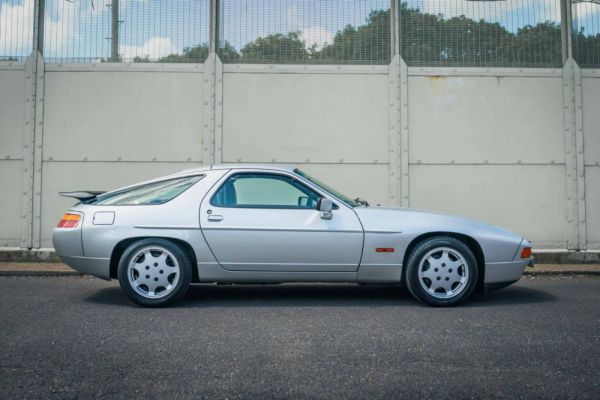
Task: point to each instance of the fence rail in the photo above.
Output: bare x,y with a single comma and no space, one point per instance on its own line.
465,33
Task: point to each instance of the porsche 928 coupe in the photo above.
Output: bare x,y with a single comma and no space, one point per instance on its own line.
276,224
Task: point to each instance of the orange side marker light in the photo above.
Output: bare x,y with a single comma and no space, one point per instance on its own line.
384,249
526,252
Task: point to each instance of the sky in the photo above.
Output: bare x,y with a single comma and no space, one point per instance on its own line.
79,30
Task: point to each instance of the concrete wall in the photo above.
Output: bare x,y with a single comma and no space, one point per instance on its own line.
591,139
492,148
488,144
12,125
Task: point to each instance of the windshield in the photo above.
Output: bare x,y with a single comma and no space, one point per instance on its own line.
327,188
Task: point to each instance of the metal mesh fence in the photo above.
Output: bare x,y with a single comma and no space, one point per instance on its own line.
165,31
305,31
586,32
148,31
510,33
16,29
464,33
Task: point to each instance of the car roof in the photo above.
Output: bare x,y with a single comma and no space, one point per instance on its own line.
198,170
276,167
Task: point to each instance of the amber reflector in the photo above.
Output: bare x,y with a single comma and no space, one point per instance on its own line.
69,221
526,252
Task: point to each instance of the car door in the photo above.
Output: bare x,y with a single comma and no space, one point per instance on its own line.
267,221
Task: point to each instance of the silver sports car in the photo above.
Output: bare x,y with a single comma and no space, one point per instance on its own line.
273,224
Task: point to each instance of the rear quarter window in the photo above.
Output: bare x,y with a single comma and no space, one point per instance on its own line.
148,194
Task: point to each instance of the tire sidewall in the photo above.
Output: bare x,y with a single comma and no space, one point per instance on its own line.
414,260
185,272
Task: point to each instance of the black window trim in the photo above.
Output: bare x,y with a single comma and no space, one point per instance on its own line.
288,177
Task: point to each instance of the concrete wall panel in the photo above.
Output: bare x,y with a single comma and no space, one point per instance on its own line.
592,205
591,120
10,203
527,199
70,176
478,119
354,180
12,113
299,117
137,116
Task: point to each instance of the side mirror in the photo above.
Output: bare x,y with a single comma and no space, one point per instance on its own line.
324,205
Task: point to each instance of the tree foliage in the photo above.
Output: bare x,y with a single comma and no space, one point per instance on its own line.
426,39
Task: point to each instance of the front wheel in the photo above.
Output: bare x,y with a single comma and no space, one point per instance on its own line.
154,272
441,271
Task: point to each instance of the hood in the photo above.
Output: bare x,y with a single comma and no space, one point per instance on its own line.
414,219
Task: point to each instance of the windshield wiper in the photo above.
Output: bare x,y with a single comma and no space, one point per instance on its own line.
361,202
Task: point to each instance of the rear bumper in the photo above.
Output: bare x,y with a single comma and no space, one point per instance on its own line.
99,267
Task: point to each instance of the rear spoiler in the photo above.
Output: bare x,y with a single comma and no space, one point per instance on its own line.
82,195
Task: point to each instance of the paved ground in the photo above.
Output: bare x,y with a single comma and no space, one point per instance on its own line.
74,337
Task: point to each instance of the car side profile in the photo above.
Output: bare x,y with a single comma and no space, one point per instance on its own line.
256,223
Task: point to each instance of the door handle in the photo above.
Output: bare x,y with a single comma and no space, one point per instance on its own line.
215,218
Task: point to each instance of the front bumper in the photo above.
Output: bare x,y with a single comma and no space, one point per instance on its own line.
505,271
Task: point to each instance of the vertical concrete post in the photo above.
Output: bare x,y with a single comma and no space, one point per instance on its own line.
395,176
32,136
213,93
574,162
28,153
404,143
573,127
398,114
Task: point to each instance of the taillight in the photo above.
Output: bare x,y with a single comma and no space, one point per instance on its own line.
69,221
526,252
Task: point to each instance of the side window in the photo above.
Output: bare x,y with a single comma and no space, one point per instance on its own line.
264,191
149,194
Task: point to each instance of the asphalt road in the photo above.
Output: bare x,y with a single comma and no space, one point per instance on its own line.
71,337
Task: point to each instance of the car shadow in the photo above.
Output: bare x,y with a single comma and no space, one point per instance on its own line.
513,295
319,295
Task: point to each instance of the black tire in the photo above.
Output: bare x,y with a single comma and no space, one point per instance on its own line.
418,286
169,296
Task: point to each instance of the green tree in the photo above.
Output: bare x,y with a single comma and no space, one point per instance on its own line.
537,45
366,44
277,48
426,40
196,54
586,49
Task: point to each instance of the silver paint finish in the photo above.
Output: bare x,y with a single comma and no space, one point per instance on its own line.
281,245
285,240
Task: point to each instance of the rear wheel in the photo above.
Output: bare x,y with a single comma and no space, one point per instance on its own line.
441,271
154,272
